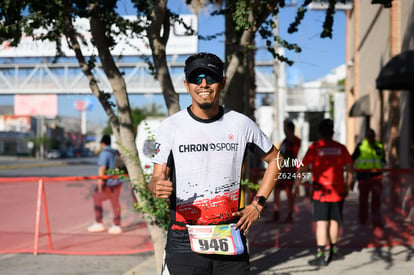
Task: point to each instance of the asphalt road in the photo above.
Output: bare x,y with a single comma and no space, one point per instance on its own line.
43,264
25,167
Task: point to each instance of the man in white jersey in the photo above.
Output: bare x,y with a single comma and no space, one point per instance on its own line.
197,165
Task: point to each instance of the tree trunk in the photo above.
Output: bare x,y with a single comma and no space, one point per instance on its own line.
236,90
233,96
158,34
239,46
251,102
159,240
121,125
122,128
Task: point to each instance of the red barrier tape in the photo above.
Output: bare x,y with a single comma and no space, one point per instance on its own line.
72,237
49,179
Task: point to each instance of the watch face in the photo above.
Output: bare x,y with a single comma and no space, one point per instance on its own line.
261,200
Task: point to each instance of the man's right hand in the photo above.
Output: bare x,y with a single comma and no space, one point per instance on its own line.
159,184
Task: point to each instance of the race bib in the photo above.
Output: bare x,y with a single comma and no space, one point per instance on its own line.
223,239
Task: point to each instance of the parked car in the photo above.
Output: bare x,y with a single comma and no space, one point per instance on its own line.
83,152
69,153
53,154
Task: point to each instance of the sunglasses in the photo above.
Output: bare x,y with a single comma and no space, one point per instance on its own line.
197,79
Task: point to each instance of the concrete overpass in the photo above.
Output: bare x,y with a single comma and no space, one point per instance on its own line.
19,77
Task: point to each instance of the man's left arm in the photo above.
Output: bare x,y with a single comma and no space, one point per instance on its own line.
251,212
270,176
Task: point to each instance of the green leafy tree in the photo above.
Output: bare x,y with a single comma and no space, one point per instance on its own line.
53,19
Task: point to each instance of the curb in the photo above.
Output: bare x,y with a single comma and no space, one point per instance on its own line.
146,267
33,165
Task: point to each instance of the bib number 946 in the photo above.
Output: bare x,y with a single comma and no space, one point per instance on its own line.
223,239
216,245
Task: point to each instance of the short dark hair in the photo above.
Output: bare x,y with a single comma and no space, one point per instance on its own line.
289,125
370,133
204,62
106,139
326,128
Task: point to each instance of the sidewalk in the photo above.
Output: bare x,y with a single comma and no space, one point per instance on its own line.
368,261
286,248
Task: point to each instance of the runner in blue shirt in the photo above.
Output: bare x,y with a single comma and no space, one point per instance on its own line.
109,189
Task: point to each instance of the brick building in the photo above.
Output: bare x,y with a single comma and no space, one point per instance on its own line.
378,88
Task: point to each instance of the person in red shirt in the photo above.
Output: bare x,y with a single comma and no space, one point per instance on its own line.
289,149
327,160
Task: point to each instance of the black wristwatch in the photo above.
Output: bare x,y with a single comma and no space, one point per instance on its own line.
260,200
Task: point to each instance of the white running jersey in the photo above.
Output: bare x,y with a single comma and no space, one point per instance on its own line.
206,158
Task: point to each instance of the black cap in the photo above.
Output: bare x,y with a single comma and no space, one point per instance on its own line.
204,62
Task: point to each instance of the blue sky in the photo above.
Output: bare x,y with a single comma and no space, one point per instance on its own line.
318,56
